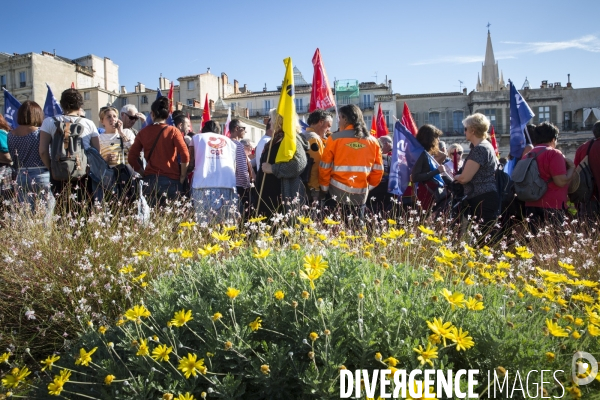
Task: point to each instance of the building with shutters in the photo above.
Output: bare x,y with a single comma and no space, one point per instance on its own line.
572,110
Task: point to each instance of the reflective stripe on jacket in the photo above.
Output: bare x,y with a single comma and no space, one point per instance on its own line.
350,167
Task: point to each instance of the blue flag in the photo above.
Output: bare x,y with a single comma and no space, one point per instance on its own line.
149,118
405,153
51,106
520,114
303,125
11,106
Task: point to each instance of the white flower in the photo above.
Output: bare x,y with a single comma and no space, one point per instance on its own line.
30,314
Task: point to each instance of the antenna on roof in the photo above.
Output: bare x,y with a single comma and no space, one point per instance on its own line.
460,83
375,76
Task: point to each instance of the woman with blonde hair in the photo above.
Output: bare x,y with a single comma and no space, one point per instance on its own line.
115,141
479,173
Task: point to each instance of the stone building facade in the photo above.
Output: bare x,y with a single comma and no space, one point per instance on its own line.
25,75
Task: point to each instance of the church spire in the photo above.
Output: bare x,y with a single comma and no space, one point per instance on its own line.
490,78
489,51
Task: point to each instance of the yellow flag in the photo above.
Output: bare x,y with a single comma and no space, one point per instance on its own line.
287,110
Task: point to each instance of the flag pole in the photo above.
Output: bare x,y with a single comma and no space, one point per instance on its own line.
262,183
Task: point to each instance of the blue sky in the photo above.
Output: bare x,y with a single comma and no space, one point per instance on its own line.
422,46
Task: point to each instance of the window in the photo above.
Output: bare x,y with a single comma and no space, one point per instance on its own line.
267,105
144,99
249,106
386,115
434,119
298,105
415,117
123,101
567,120
3,81
190,102
190,85
88,112
86,95
368,121
22,79
344,100
543,114
233,106
490,113
367,102
457,117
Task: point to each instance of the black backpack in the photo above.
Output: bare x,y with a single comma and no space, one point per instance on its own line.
505,188
583,193
68,159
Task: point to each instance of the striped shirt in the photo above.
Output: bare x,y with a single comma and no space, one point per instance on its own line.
242,175
110,143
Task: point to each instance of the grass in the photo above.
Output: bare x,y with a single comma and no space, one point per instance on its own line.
382,285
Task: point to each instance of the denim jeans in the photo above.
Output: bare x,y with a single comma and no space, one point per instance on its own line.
215,204
34,184
157,189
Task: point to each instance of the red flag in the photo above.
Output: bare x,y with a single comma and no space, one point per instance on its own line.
408,121
206,112
72,85
493,140
170,97
374,126
382,129
321,95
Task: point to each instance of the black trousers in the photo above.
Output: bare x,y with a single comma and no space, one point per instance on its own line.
484,210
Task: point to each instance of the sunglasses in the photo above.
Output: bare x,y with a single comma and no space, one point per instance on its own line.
133,118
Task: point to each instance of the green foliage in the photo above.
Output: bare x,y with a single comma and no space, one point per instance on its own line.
391,320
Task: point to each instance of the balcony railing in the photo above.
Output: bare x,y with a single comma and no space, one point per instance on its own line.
366,105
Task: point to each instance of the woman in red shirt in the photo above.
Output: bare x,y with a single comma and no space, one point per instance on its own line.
557,171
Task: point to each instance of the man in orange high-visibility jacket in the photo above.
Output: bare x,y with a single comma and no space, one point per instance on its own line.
351,163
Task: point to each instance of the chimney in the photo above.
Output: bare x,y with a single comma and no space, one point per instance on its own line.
245,88
123,90
465,91
236,86
196,104
211,105
142,88
224,82
569,86
544,85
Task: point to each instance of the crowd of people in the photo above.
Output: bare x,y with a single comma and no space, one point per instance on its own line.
227,177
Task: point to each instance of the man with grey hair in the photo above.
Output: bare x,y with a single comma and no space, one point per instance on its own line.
130,115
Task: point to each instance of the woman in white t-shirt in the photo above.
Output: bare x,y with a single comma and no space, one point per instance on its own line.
115,141
70,101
